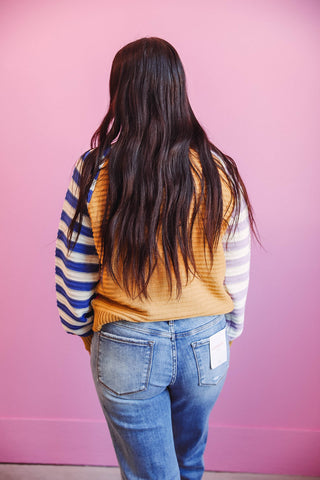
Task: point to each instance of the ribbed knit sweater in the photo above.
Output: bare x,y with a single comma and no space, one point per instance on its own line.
88,299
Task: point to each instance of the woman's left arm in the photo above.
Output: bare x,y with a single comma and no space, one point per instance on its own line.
77,271
237,249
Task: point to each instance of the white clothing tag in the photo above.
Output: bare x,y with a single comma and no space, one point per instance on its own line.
218,348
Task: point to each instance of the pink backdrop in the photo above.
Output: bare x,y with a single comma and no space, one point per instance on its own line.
253,79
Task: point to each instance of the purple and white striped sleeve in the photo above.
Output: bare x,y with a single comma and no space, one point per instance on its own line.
237,254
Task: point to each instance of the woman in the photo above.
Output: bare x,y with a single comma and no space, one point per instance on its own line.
152,265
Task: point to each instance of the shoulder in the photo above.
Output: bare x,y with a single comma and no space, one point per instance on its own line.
100,176
226,191
86,157
89,156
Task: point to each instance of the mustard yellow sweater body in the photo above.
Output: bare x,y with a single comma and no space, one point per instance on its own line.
88,299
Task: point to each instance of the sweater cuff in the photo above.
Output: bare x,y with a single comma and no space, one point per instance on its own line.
87,342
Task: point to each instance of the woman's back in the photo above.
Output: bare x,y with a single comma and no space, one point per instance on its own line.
201,294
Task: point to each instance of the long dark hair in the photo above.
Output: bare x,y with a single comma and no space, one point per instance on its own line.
149,130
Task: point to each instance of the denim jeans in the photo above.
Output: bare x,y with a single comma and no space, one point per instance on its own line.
156,387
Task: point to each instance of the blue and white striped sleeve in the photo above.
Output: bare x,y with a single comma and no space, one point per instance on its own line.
77,272
237,254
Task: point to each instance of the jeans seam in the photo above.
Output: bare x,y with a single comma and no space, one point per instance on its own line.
174,360
197,364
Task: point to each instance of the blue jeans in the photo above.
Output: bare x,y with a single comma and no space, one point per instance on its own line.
157,389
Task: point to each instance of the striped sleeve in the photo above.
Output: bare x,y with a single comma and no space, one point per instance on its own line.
77,271
237,249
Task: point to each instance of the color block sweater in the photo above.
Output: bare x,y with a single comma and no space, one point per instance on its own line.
87,298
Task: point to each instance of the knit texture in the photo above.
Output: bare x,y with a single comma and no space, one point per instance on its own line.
200,296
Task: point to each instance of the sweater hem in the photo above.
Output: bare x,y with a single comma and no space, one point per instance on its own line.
102,317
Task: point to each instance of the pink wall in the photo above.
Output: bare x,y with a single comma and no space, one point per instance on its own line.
253,79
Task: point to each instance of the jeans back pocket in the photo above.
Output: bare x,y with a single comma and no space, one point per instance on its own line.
124,364
206,374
